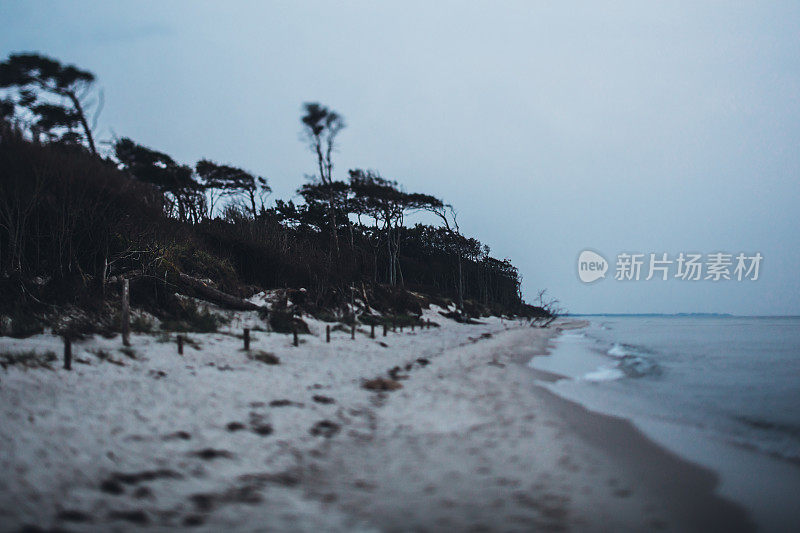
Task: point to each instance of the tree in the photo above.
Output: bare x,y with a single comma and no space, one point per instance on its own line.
55,95
321,126
233,181
386,203
159,169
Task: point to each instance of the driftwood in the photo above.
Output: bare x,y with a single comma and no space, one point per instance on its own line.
189,286
213,295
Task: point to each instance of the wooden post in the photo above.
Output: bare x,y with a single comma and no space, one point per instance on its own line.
327,333
247,339
353,331
126,312
385,329
67,353
372,331
180,344
294,334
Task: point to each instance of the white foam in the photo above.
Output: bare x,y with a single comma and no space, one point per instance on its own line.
617,350
604,374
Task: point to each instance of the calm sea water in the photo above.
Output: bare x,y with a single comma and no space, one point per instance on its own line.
721,392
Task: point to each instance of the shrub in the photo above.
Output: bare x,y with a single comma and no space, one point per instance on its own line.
286,322
142,324
189,258
191,318
101,354
265,357
325,316
27,359
398,320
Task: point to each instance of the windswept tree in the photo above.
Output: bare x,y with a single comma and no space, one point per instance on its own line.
233,182
458,245
321,126
387,204
160,170
332,198
55,98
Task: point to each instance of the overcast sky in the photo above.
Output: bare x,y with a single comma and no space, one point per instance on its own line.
639,127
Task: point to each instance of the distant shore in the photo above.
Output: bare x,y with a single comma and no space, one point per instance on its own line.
219,439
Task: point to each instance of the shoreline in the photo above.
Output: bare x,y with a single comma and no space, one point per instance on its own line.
218,440
755,480
638,481
688,489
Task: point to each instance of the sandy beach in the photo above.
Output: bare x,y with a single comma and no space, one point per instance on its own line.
218,439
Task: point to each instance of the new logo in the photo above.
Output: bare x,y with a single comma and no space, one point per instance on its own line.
591,266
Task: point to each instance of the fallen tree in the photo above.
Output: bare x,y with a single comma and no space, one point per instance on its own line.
190,286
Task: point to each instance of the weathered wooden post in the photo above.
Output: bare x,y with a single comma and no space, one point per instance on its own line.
247,339
180,344
353,331
294,334
372,331
67,353
126,312
385,329
327,333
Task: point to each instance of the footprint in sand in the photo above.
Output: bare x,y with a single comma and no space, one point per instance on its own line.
325,428
323,399
209,454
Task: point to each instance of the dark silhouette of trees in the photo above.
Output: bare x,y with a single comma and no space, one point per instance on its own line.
157,168
321,126
55,97
387,204
66,214
233,182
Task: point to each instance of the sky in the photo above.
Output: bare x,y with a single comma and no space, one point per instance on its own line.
552,127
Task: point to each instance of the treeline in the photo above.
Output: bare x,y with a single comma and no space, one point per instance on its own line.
71,217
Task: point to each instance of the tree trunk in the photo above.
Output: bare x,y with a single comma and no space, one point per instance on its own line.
253,202
79,108
213,295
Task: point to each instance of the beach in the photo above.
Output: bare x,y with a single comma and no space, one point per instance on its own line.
218,438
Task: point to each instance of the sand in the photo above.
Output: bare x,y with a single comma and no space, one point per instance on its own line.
216,440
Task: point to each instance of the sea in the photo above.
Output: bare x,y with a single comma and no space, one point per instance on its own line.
720,391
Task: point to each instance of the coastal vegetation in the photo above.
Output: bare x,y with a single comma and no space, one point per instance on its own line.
75,222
